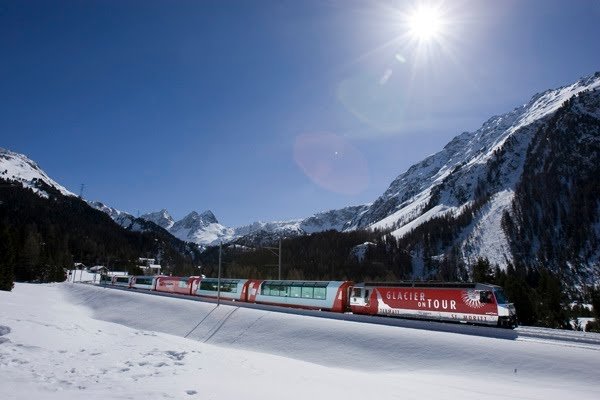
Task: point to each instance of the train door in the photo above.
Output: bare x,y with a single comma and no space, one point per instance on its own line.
194,285
253,290
348,293
359,297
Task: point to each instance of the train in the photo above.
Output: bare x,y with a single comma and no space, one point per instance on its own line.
472,303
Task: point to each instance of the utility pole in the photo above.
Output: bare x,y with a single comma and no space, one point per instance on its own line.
278,256
219,277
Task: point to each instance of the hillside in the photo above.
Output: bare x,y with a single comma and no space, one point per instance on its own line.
41,235
459,204
97,343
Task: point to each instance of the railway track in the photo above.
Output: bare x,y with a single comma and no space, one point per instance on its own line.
527,333
590,339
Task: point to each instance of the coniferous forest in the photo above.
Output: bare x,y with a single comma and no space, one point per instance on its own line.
41,237
540,295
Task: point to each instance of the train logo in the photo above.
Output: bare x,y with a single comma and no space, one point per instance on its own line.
472,299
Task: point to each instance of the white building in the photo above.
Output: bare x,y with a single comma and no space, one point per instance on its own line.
148,266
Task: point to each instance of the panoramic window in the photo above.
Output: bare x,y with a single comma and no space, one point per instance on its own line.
226,286
305,290
295,291
320,293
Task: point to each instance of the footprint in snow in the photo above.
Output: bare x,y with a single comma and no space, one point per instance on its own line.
175,355
191,392
4,330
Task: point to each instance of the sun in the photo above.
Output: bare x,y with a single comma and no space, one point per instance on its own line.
425,23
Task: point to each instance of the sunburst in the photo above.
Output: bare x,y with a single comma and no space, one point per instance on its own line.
471,298
425,23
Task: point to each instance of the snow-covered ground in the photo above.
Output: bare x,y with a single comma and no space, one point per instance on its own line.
73,341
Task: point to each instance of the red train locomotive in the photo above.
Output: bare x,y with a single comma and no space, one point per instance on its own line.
461,302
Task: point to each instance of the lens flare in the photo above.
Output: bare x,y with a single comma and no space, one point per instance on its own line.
331,162
377,101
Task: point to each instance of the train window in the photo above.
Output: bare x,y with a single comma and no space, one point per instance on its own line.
500,296
269,290
307,292
274,290
485,296
204,285
320,293
229,287
213,286
143,281
183,284
284,291
356,292
265,289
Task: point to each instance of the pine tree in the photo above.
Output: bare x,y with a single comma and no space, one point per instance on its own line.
482,271
7,276
594,326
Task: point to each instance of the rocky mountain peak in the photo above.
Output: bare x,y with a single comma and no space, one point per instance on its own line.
161,218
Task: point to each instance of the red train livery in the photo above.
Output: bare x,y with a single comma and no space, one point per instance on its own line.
461,302
175,284
475,303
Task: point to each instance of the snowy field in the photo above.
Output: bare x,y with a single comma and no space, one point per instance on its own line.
75,341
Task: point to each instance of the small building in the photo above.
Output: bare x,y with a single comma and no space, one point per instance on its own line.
99,269
148,266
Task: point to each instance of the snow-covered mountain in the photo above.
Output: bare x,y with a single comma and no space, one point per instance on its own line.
122,218
18,167
477,172
339,220
161,218
205,230
478,169
466,158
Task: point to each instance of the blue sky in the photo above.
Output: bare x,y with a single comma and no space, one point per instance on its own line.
267,110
